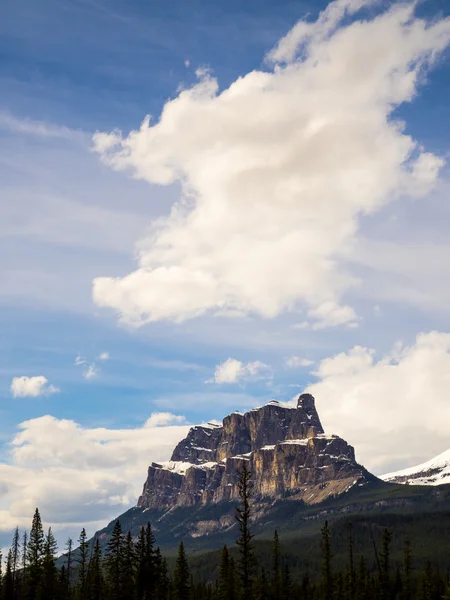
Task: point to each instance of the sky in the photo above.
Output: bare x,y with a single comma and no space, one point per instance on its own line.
208,205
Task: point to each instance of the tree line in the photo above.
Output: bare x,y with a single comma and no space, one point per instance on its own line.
134,569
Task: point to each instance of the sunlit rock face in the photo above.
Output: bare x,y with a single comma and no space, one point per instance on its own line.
286,450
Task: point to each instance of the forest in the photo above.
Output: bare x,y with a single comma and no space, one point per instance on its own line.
135,569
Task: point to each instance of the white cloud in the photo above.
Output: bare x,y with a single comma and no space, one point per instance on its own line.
276,171
104,356
24,386
395,410
164,418
90,369
187,63
294,362
77,475
234,371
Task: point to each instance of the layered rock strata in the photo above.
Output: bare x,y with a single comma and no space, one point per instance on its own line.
286,450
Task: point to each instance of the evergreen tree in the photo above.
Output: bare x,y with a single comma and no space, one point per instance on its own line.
286,584
385,564
150,570
114,563
407,567
8,582
243,513
95,582
226,584
306,588
24,552
128,564
15,561
351,565
64,590
327,577
426,583
69,548
276,567
141,566
163,581
181,576
361,580
48,589
34,557
83,561
261,591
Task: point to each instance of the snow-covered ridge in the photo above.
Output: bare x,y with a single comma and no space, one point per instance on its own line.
433,472
182,467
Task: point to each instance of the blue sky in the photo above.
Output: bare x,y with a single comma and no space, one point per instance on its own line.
371,273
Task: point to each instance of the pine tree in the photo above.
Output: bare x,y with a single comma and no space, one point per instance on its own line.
276,566
69,548
48,589
225,584
426,582
34,557
15,561
261,587
95,582
128,564
163,581
83,561
64,590
286,584
361,580
243,513
150,563
181,576
114,562
351,565
385,564
306,588
141,566
327,577
407,567
8,583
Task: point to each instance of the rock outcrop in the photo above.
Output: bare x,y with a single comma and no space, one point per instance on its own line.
286,450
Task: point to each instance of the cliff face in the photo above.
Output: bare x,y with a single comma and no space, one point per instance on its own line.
286,450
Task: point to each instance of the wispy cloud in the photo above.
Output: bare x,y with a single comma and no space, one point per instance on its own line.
90,369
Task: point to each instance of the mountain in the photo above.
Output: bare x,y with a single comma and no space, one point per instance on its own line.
434,472
286,449
301,476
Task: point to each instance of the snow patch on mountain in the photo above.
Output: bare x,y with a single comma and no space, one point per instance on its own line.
433,472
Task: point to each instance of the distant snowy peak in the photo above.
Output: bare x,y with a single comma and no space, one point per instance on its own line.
434,472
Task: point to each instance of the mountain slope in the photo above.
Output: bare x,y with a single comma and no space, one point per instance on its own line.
433,472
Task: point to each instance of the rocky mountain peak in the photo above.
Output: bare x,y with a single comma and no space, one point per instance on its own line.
286,448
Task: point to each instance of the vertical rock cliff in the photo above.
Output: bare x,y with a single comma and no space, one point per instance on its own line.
286,449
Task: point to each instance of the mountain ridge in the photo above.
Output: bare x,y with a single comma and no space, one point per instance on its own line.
435,471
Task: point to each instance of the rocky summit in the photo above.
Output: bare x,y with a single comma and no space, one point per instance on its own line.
285,448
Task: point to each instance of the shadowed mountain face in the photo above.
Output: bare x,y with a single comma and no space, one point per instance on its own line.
301,476
286,450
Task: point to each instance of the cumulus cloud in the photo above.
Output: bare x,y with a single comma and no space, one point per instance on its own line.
394,409
294,362
79,475
24,386
234,371
276,171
